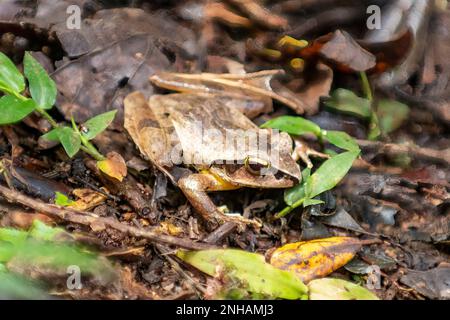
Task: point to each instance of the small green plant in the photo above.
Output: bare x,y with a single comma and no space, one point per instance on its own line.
383,115
15,106
328,175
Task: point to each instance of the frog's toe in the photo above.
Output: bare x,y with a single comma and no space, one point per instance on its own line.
240,221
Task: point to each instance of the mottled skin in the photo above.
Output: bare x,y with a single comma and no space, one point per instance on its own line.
167,122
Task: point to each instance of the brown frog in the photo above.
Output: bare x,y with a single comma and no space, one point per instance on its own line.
221,147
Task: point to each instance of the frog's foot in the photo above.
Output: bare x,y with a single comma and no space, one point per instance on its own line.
195,188
303,151
237,219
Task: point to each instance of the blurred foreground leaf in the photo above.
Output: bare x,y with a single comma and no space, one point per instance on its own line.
250,269
337,289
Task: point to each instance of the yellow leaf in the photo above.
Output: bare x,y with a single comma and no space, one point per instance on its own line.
170,228
316,258
88,199
114,166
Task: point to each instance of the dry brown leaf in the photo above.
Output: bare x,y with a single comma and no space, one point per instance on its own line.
88,199
307,97
114,166
245,87
343,50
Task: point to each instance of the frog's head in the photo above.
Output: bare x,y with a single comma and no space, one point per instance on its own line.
273,168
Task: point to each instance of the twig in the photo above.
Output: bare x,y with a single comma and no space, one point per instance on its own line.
220,233
88,219
260,14
440,156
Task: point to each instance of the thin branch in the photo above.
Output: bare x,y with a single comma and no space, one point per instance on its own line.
90,219
439,156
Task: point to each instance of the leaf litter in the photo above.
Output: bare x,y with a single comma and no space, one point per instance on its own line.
361,203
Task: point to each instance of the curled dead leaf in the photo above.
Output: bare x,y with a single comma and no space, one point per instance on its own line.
114,166
341,49
240,87
316,258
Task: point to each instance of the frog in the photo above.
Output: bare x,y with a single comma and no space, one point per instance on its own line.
172,130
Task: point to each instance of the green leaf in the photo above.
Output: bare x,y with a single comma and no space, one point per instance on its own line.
13,110
311,202
391,115
347,101
294,194
97,124
330,173
42,87
16,287
293,125
341,140
13,236
62,200
249,268
337,289
38,249
41,231
52,135
70,140
10,77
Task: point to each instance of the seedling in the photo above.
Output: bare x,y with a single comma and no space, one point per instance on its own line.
383,115
328,175
15,106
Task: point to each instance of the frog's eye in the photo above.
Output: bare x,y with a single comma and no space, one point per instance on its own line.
255,165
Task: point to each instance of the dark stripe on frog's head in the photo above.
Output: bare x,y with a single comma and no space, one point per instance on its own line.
148,123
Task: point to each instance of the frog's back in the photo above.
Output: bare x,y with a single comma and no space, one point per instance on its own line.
205,129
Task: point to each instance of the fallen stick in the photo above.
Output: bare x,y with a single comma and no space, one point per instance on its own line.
440,156
89,219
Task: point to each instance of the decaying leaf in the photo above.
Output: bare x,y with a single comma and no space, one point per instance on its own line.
250,269
317,83
341,50
337,289
434,283
239,86
88,199
114,166
315,258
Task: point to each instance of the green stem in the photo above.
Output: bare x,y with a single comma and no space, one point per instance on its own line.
13,93
93,152
374,129
366,86
48,117
42,112
289,209
87,146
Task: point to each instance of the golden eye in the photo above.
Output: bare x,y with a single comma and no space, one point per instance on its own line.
255,165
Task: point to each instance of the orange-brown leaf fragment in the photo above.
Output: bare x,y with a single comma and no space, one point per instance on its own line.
114,166
88,199
317,258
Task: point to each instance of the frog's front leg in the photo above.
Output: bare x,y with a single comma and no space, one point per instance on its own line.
195,188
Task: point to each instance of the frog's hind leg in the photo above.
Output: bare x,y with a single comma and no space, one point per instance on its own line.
195,188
